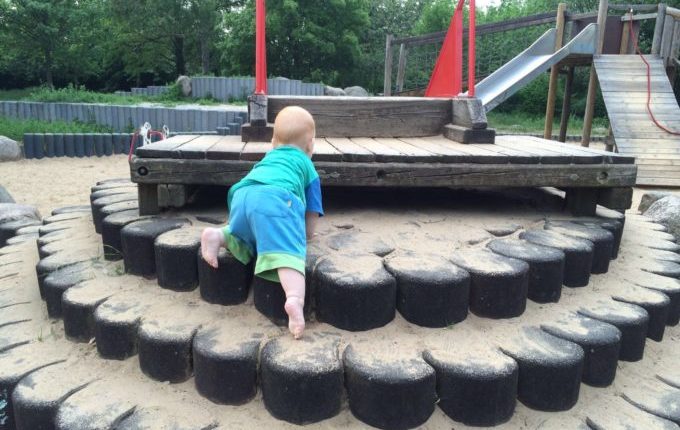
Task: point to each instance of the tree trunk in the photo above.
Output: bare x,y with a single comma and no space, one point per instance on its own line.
205,55
180,62
48,69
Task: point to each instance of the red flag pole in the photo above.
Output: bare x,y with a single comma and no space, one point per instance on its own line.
260,49
471,50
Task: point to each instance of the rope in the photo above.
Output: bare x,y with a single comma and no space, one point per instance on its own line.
649,80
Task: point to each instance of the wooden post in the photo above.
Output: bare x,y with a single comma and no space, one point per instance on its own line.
625,37
582,201
387,85
403,50
658,29
566,104
667,40
147,195
554,74
592,82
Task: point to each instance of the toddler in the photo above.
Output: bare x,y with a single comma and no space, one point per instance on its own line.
273,212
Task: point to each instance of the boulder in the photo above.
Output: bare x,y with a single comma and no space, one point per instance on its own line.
9,149
666,211
649,198
5,196
13,212
333,91
356,92
184,83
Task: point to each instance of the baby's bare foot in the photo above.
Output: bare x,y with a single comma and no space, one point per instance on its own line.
211,240
296,316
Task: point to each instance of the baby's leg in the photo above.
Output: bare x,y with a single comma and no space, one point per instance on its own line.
212,240
293,283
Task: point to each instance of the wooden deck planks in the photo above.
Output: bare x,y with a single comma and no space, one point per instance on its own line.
195,149
324,151
351,151
164,148
226,148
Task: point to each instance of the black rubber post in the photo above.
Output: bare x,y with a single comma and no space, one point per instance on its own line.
354,292
655,303
9,229
546,267
475,389
98,215
549,370
352,241
165,352
431,291
71,209
499,284
39,146
270,299
89,142
116,323
137,240
228,284
613,226
111,227
114,208
49,145
29,145
603,241
176,265
98,144
670,288
121,189
57,261
578,254
662,268
302,381
78,313
108,143
225,366
59,145
69,145
79,145
390,393
57,282
631,320
600,341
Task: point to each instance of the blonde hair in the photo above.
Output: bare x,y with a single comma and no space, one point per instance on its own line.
294,126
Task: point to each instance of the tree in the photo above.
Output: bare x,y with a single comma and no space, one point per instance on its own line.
39,30
313,39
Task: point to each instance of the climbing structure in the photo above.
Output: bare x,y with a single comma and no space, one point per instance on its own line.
623,80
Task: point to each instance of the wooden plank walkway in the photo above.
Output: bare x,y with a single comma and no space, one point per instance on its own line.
588,175
623,80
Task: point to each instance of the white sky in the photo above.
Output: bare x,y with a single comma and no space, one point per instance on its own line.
482,4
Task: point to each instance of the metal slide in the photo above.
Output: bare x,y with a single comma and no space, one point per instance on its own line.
527,66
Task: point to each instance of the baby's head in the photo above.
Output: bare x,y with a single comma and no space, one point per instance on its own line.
294,126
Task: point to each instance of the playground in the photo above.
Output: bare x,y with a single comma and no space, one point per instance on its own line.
460,278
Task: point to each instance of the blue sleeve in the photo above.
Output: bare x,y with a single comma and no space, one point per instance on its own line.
313,197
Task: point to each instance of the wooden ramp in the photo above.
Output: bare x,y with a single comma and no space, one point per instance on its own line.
623,80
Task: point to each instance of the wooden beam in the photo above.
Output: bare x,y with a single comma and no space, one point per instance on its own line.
401,70
371,116
658,29
147,195
582,201
554,74
675,13
566,104
616,198
639,17
592,82
210,172
387,84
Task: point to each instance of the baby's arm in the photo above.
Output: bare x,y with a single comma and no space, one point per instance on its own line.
310,223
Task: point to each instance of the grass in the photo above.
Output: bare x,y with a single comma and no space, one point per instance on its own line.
73,94
15,128
525,123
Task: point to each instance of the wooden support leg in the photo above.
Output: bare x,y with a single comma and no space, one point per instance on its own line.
582,201
566,104
619,198
148,199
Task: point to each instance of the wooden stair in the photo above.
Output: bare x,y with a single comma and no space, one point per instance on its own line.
623,80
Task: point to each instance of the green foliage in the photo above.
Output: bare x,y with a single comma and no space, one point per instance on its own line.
15,128
521,122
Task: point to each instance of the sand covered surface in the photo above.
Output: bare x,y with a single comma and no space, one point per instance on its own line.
437,222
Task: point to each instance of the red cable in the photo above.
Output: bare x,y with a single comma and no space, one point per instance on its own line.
649,81
132,144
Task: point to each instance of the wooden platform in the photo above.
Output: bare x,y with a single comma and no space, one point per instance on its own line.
623,80
588,175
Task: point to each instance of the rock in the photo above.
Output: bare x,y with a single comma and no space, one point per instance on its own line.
5,196
184,83
649,198
666,211
9,149
333,91
356,92
13,212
